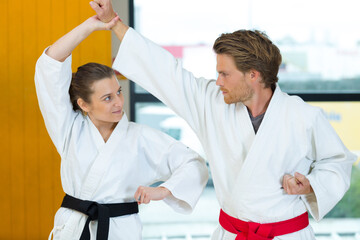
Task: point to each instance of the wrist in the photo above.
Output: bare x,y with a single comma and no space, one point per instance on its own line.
311,189
120,29
88,26
106,20
165,192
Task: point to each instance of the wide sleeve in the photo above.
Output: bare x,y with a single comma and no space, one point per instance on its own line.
182,171
52,81
157,71
331,168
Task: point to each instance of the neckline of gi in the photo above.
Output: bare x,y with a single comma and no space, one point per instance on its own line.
120,130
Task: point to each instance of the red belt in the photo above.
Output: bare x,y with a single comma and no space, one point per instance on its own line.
266,231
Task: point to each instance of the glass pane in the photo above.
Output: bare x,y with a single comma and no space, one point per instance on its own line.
345,216
319,40
158,116
140,90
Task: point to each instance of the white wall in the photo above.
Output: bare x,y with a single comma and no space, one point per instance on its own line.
122,9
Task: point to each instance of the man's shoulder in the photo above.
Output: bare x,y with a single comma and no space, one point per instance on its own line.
297,107
297,102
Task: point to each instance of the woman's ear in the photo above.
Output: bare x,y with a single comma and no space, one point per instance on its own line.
83,105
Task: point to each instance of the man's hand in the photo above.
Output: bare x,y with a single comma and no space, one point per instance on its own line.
297,184
147,194
103,9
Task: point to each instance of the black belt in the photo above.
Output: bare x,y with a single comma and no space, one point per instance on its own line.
100,212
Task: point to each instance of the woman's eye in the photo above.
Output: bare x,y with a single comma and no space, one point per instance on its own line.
107,99
119,91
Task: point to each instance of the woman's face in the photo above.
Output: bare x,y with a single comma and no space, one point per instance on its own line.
107,102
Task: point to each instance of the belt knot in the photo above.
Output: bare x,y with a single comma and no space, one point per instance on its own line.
100,212
256,231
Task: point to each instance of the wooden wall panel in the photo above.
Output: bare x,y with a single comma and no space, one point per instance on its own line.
47,163
5,160
29,163
31,124
16,111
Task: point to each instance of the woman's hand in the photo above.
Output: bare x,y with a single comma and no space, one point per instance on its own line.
147,194
95,24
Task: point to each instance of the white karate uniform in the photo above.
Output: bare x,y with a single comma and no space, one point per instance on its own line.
247,169
111,172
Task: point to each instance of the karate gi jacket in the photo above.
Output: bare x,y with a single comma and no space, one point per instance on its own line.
247,168
111,172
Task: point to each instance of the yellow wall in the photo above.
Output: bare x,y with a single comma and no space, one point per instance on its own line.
29,164
345,118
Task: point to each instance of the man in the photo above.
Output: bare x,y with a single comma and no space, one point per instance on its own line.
272,156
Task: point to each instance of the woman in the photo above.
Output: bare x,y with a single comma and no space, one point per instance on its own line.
107,163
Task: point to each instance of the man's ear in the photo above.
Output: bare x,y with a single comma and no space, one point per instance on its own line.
254,74
83,105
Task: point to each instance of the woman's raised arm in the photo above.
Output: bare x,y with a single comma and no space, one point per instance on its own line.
63,47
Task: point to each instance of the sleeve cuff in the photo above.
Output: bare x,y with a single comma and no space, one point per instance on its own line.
53,62
127,37
175,202
311,201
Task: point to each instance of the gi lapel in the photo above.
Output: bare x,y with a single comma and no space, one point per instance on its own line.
103,159
263,136
247,177
93,180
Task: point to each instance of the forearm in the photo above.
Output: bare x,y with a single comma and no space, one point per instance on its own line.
120,29
63,47
147,194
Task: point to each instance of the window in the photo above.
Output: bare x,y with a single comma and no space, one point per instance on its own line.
320,46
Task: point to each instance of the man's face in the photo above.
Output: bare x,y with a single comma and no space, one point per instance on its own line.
234,84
